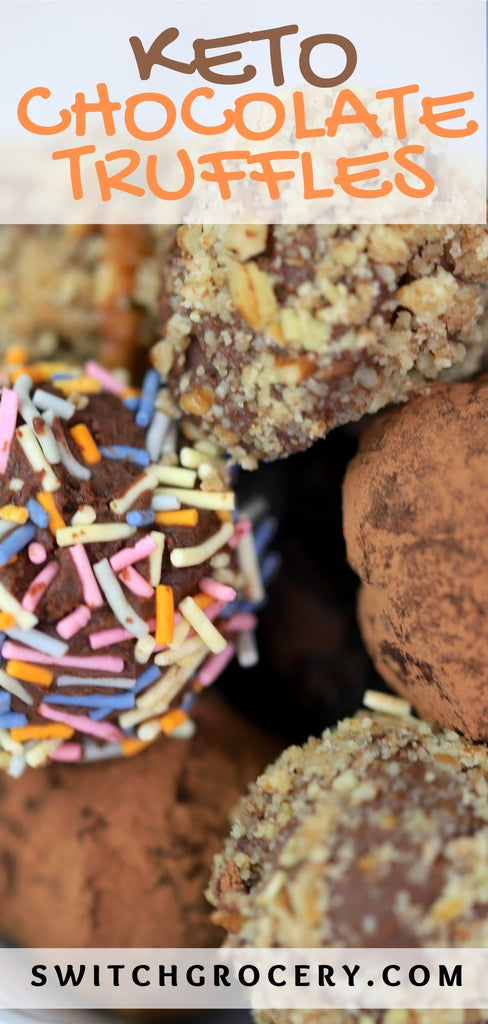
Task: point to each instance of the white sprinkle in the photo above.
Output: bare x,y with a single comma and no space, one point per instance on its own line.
59,406
165,503
29,412
171,440
93,752
220,561
39,641
38,755
157,698
8,603
247,651
183,557
185,478
6,527
35,456
215,500
93,534
156,558
202,625
67,458
149,731
144,648
15,686
16,484
377,701
84,516
117,682
208,448
172,656
16,767
249,565
191,459
147,481
117,600
156,434
185,731
254,509
7,743
180,633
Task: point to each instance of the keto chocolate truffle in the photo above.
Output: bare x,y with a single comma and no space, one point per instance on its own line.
119,854
122,568
273,335
375,835
415,500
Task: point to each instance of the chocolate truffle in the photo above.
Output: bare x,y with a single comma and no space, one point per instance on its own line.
415,500
272,335
126,578
81,290
118,854
376,835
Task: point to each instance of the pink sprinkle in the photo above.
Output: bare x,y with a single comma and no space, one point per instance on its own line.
215,665
39,585
135,582
107,637
214,610
89,585
104,663
240,622
217,590
107,380
67,752
72,623
127,556
242,527
9,404
104,730
37,553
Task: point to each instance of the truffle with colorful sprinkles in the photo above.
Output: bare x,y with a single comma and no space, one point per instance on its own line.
128,580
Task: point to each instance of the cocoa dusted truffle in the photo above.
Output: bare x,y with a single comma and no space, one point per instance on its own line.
416,527
118,854
375,835
127,579
273,335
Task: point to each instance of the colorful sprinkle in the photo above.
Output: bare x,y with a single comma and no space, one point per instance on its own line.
72,623
39,641
39,585
219,591
36,458
150,387
183,557
14,514
164,615
117,600
91,591
15,542
28,673
107,380
86,443
98,533
184,517
37,553
156,434
127,556
38,514
48,503
48,402
141,517
202,625
100,663
104,730
136,583
118,452
213,500
146,482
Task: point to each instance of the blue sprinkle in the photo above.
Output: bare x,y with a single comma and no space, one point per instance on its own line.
146,678
110,701
12,720
150,388
264,534
5,702
131,403
37,513
139,456
270,566
188,701
15,541
141,517
63,376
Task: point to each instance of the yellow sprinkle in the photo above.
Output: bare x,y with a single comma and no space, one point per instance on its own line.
83,385
96,533
42,732
56,521
182,517
177,475
183,557
216,500
172,720
131,747
14,514
202,625
7,620
85,442
15,356
29,673
165,619
224,516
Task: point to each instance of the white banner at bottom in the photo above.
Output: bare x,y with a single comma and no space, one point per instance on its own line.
312,979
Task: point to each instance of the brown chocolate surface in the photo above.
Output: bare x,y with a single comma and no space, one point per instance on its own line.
415,527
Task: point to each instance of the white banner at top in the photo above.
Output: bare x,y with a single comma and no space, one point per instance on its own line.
275,111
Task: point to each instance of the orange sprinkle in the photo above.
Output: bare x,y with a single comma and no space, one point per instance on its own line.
165,617
84,385
82,437
183,517
56,521
172,720
6,620
203,601
130,392
133,746
29,673
56,731
14,514
224,515
34,374
15,356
